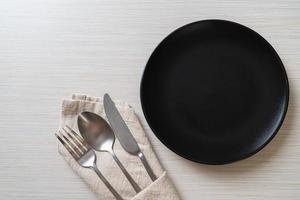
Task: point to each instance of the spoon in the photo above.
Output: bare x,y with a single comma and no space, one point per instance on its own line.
100,136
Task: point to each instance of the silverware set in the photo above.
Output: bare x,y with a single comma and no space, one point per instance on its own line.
98,135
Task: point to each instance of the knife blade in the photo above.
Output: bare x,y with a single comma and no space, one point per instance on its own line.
123,133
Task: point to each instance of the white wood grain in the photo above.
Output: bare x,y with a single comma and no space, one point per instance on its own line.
52,48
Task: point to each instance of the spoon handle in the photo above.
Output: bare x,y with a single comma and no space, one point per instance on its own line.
108,185
125,172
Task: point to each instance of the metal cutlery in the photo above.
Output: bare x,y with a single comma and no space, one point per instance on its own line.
83,154
123,133
99,135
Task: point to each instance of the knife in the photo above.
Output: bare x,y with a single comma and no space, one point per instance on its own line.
123,133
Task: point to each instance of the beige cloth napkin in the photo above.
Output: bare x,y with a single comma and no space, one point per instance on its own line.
162,188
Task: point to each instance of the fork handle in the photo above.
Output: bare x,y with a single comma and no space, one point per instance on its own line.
108,185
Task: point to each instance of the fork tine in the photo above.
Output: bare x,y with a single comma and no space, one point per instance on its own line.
68,148
78,137
74,147
79,145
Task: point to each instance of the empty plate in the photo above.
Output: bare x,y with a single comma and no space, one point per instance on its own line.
214,92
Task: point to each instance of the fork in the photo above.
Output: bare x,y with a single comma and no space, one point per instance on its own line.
83,154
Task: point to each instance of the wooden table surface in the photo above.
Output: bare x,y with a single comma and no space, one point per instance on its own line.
50,49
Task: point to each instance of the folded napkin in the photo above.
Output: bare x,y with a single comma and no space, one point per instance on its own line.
162,188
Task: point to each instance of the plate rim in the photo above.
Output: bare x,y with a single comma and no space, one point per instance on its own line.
242,156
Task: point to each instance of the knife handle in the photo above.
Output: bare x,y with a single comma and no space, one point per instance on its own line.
147,166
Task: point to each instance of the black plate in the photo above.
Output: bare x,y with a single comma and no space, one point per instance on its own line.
214,92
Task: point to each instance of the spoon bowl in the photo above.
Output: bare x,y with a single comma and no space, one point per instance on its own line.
96,131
